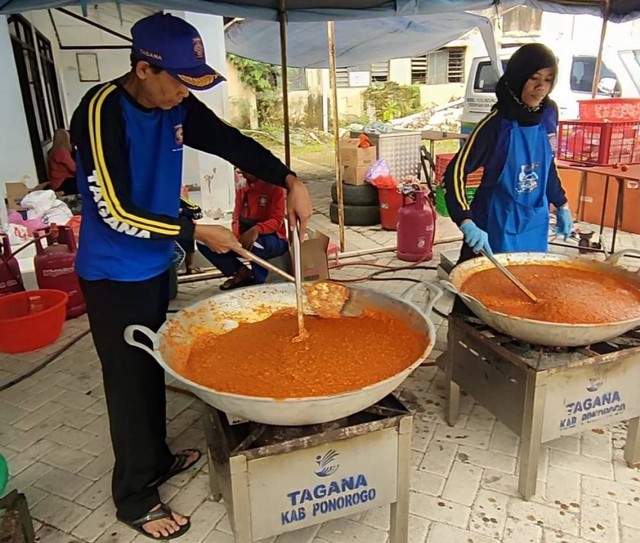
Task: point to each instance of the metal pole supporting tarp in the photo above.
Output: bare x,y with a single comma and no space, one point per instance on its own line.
282,16
336,131
606,9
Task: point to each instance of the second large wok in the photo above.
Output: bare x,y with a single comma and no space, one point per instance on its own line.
538,332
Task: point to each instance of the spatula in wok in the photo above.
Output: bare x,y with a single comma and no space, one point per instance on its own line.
327,298
510,276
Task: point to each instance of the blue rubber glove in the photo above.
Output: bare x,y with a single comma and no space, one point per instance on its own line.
564,222
475,238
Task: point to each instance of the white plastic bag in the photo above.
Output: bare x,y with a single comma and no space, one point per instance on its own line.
58,213
38,202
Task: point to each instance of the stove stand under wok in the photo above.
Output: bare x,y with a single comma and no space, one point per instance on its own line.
276,479
541,393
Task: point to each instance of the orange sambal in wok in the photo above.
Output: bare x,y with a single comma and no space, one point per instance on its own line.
568,295
340,355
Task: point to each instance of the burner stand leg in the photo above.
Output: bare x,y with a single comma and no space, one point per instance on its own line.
214,482
399,532
531,434
632,447
241,503
452,402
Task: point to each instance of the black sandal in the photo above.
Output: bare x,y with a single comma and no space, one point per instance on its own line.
237,282
163,512
180,464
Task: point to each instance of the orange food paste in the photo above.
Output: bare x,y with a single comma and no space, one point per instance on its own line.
565,294
260,359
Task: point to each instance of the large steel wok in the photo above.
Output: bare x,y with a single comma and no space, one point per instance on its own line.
539,332
223,312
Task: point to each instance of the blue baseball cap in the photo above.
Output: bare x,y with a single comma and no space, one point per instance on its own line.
174,45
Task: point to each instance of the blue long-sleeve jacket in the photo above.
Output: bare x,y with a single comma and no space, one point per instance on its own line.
488,147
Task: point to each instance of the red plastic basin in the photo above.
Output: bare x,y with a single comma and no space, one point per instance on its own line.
24,329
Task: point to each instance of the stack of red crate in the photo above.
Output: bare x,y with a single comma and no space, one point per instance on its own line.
607,133
442,161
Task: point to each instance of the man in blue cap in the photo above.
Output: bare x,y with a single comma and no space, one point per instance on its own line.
130,135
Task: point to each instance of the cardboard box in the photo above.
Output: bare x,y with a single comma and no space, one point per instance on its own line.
313,257
352,155
15,193
354,175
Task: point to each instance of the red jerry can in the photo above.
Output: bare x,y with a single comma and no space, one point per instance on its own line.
55,266
416,229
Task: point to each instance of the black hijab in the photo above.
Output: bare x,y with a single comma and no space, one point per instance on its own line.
525,62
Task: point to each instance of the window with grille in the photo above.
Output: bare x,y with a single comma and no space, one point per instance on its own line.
419,70
342,77
354,76
380,72
455,65
438,68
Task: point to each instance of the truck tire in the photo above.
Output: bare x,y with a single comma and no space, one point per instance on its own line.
356,195
356,215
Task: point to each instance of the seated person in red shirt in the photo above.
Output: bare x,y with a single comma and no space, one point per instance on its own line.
62,166
258,223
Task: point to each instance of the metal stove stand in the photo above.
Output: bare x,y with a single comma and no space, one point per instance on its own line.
540,393
275,479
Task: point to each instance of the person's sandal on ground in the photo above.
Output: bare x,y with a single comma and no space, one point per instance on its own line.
161,512
183,461
240,279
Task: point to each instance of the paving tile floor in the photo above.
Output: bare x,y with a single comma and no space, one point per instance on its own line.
54,434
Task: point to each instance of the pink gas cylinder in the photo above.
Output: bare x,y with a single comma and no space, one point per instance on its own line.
55,266
416,229
10,278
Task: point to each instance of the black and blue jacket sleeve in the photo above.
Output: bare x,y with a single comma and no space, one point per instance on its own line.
98,130
475,153
205,131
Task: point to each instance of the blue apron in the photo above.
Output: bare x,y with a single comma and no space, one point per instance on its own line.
518,211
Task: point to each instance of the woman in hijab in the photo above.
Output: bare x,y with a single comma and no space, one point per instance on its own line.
62,166
515,144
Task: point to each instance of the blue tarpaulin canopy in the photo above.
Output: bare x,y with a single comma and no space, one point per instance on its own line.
356,43
336,10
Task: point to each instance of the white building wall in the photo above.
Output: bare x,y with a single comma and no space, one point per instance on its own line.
214,175
211,173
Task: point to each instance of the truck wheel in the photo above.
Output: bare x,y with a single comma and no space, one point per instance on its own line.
356,195
356,215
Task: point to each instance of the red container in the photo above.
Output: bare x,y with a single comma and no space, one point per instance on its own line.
10,278
610,109
390,204
30,320
442,162
416,229
55,267
599,142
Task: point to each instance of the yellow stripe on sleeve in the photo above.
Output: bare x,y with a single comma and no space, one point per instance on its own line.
106,186
461,160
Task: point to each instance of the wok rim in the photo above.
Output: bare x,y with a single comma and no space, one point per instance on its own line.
267,399
538,322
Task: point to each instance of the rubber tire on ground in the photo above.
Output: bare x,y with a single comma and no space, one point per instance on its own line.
356,215
356,195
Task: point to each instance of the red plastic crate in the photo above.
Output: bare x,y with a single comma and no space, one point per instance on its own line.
599,142
442,161
611,109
